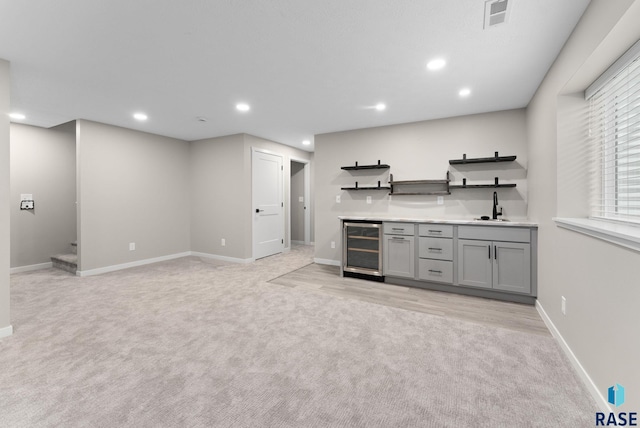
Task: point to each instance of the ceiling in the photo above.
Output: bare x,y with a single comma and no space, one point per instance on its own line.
305,67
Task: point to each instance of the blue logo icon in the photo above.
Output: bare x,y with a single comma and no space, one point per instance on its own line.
616,395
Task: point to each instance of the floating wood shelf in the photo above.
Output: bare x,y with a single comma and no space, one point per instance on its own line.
495,158
443,190
357,167
496,184
366,188
480,186
378,187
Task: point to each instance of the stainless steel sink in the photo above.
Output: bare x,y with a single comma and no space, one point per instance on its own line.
490,219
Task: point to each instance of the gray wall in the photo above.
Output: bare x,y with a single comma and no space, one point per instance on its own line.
297,207
598,279
132,187
287,153
43,163
221,188
217,181
5,199
418,151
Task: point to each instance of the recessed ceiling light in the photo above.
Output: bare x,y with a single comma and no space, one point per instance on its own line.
464,92
17,116
306,142
140,116
380,106
243,107
436,64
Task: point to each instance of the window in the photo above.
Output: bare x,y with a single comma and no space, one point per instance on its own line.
614,129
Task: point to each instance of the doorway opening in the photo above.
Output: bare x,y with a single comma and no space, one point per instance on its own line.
299,204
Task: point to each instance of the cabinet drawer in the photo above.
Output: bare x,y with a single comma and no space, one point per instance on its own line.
488,233
439,230
399,229
435,270
436,248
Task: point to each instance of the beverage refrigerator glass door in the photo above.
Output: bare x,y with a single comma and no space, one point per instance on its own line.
362,248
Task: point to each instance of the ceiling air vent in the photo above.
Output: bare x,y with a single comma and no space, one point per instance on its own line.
495,12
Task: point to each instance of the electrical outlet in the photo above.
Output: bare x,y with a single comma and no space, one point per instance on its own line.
337,199
440,200
333,244
564,306
369,199
223,242
132,246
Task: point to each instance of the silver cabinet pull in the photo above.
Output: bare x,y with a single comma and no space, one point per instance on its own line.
434,231
398,237
435,249
435,271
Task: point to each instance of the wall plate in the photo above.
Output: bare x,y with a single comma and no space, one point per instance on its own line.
27,205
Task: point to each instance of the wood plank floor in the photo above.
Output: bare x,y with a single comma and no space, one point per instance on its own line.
326,279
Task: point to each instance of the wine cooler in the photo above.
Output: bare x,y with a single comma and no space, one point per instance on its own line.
362,250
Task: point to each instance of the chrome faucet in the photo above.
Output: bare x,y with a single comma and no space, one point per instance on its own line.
495,206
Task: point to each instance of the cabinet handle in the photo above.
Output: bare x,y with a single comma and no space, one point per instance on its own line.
495,252
398,237
435,271
397,228
434,231
435,249
489,248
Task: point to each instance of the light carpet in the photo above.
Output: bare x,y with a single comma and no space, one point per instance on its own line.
192,343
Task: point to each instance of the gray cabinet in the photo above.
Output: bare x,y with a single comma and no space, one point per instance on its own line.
435,253
504,266
399,250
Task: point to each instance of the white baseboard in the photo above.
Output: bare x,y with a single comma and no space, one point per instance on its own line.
6,331
582,373
30,268
327,262
297,242
113,268
223,258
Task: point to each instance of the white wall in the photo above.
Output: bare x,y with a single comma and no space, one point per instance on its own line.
418,151
599,280
5,85
43,163
132,187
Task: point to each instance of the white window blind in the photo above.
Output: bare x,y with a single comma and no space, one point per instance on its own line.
614,127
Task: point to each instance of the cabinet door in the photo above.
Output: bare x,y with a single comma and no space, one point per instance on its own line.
399,254
475,263
512,267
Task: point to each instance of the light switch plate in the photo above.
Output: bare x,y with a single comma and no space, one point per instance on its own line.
337,199
440,200
300,198
132,246
368,199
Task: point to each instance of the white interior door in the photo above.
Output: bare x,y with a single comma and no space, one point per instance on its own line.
268,204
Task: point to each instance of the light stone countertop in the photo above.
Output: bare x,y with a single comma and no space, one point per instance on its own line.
506,223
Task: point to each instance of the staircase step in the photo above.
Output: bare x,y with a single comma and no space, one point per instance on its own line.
68,262
74,247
